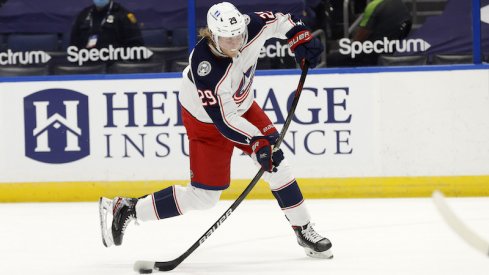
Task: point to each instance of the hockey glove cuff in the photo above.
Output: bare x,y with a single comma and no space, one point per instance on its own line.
304,45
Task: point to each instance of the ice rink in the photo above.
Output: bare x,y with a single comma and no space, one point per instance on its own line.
369,236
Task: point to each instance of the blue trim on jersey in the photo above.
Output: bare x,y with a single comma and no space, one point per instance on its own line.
218,66
216,116
208,187
255,26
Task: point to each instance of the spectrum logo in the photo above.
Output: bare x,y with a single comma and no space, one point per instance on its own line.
56,126
23,58
354,48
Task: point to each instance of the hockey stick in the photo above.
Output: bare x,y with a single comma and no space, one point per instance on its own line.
148,266
458,226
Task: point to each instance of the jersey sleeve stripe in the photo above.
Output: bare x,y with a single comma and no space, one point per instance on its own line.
223,128
230,126
272,21
254,38
223,78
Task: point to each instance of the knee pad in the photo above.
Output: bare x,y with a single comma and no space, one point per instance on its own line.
279,178
193,198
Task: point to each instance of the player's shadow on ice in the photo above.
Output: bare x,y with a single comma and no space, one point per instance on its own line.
245,266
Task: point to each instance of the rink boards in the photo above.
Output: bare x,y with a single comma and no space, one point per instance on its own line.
367,134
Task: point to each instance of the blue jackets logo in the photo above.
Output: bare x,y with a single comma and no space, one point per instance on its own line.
56,126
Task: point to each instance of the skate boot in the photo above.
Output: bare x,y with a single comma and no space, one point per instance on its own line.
124,211
315,245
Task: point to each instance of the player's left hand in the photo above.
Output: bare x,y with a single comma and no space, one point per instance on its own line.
304,46
268,158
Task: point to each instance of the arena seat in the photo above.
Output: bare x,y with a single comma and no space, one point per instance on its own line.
73,69
132,68
264,63
179,65
408,60
447,59
23,70
32,42
155,38
179,37
167,55
65,40
3,43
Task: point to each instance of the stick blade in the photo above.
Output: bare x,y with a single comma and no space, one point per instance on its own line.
457,225
166,266
144,265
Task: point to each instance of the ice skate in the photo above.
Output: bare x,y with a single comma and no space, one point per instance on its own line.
315,245
123,211
105,207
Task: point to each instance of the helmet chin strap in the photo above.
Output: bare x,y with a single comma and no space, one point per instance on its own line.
216,43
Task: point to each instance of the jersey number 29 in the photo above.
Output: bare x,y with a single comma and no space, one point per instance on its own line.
207,97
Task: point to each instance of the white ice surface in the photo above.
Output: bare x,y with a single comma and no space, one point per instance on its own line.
369,236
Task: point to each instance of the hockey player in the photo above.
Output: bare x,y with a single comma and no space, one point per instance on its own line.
219,113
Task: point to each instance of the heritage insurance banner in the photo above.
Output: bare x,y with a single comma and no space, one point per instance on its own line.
117,130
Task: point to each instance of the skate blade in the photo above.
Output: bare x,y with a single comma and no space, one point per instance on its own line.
105,206
320,255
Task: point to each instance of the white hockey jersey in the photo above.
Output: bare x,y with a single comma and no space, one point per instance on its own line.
216,89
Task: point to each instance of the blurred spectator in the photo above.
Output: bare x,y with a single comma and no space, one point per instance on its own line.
2,2
315,14
105,23
381,18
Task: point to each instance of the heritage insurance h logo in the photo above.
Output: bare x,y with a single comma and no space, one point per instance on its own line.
56,126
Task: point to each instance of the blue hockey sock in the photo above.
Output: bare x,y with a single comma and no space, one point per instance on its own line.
289,195
165,203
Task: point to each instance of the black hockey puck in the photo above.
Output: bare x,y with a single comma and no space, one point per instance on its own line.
145,271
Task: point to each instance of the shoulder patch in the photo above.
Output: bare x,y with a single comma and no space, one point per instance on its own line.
207,69
132,18
204,68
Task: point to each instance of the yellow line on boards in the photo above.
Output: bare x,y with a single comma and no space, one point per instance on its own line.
375,187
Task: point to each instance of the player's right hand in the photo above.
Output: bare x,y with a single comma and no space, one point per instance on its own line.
262,147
